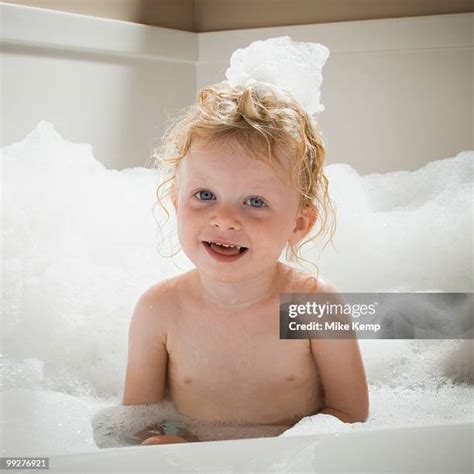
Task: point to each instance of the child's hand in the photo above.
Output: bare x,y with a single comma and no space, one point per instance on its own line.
163,439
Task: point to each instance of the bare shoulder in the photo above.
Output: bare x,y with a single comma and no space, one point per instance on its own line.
301,282
158,303
166,293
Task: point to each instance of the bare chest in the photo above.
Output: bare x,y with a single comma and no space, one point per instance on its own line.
235,366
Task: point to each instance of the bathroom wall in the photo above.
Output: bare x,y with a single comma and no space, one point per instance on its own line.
201,16
176,14
109,83
398,92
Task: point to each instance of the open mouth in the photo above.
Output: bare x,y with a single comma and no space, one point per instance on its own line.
224,252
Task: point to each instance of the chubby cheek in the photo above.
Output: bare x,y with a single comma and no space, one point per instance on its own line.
193,224
270,237
189,223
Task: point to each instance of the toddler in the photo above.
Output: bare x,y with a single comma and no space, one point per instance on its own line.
246,181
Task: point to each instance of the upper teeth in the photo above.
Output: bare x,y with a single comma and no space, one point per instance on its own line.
224,245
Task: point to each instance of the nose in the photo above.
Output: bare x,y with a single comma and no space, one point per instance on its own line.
225,218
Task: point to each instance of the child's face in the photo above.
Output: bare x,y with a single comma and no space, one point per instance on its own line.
224,196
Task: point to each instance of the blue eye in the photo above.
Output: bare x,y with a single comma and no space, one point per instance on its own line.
256,202
204,195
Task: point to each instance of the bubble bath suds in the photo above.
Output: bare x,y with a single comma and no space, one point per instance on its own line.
80,246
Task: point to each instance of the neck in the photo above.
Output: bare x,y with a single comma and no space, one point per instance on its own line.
238,295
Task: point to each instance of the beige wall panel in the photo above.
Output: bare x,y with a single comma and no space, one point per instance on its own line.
222,15
176,14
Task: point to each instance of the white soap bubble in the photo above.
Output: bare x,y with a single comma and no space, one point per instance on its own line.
286,64
402,231
80,246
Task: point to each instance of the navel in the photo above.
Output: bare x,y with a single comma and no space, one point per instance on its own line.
187,380
290,378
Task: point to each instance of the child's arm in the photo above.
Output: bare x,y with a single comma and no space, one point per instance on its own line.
342,374
145,379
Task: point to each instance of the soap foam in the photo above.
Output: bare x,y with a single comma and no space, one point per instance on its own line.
80,247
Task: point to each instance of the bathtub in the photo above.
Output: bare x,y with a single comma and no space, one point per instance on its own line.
50,388
421,391
445,448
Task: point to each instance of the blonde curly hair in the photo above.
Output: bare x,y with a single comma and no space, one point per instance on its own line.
260,118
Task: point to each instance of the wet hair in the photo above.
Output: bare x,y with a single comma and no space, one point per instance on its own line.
261,120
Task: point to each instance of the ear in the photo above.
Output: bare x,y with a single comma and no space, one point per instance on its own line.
305,220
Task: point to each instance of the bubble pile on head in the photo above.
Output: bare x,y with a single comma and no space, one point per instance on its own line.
262,112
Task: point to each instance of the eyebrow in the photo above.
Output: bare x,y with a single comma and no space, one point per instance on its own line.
266,188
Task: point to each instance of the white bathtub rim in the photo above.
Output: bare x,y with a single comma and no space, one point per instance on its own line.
309,437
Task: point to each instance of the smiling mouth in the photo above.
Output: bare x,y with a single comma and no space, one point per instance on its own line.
226,251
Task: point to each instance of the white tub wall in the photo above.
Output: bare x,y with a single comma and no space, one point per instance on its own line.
398,92
442,448
105,82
